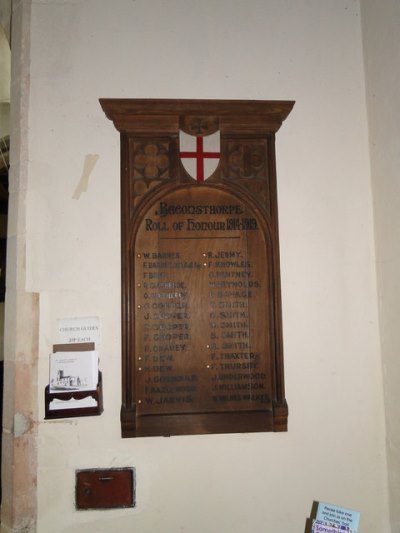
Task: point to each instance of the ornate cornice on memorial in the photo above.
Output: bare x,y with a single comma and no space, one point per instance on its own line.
163,116
243,161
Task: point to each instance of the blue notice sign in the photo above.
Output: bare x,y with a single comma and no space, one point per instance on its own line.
340,517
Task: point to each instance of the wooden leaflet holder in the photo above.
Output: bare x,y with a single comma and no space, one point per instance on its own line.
96,394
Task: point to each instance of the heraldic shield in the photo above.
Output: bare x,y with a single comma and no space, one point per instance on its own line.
200,154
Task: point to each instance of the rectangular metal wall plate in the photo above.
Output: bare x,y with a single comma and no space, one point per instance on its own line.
105,488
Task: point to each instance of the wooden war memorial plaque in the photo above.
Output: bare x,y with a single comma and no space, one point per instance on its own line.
201,309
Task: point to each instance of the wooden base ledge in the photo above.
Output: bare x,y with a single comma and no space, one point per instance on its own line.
201,423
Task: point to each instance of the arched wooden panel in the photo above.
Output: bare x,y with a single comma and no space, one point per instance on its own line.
201,311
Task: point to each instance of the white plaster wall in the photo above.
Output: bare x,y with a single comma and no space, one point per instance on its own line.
381,32
306,50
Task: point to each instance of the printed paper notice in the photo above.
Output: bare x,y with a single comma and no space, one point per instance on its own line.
80,329
339,517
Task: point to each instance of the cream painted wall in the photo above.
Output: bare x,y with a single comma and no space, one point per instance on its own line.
306,50
381,34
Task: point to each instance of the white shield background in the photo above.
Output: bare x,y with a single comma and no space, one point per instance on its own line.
211,143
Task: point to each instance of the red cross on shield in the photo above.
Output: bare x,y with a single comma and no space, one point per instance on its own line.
200,154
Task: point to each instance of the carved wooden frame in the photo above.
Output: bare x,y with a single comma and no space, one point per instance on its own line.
150,167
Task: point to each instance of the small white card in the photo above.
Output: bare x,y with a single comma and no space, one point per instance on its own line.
80,329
